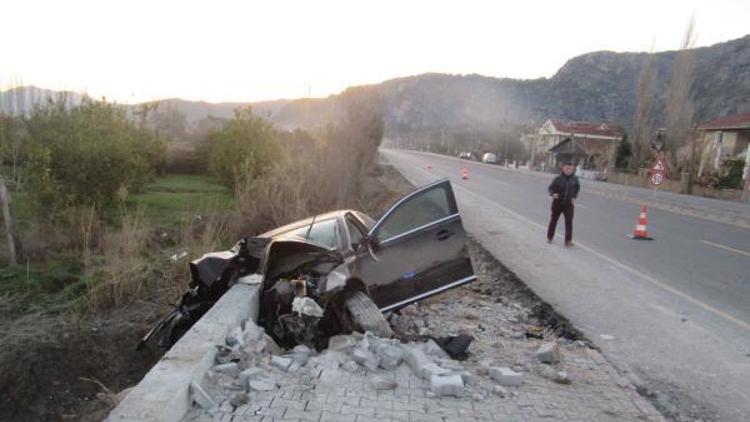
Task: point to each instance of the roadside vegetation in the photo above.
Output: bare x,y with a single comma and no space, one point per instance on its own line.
105,220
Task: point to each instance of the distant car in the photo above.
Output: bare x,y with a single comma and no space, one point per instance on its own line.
489,158
465,156
336,272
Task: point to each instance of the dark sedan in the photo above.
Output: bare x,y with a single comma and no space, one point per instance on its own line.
337,272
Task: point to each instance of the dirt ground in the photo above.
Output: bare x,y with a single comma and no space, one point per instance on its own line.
60,368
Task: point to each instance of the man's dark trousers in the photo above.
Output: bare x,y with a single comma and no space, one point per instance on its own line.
566,209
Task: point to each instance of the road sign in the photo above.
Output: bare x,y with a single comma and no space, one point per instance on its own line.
658,173
657,178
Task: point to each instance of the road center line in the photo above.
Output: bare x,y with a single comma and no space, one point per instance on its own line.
726,248
623,266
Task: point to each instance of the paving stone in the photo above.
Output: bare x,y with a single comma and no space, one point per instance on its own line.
303,415
337,417
383,383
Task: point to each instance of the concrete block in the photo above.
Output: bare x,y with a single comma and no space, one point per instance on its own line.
447,385
432,369
281,362
390,355
415,358
506,376
230,368
248,374
548,353
262,383
343,341
365,358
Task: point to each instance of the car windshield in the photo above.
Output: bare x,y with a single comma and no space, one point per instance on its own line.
322,232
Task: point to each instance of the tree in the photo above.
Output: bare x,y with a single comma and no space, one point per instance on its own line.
623,154
243,149
87,155
680,108
643,119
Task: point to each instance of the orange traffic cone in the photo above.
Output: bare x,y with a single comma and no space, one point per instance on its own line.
465,174
641,232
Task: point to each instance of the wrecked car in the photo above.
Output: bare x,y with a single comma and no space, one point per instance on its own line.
336,272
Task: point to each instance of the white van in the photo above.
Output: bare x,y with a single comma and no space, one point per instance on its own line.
489,158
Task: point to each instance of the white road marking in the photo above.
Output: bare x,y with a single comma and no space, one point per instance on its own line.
726,248
623,266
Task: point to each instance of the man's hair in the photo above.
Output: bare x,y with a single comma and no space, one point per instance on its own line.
569,163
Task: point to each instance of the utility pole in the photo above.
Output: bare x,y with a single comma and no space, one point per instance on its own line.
746,177
9,233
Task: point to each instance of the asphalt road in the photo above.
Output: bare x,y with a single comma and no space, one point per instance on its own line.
673,313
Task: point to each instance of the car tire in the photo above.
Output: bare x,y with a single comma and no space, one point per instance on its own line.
366,315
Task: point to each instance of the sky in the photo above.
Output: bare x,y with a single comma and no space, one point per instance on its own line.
219,50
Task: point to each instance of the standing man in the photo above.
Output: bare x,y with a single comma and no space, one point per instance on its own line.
563,190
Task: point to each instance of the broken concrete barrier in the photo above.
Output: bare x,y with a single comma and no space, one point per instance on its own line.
201,397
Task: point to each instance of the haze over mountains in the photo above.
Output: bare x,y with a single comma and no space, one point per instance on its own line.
594,86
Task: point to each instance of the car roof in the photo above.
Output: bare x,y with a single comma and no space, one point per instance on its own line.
291,226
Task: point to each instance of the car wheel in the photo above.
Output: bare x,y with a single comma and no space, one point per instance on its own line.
366,315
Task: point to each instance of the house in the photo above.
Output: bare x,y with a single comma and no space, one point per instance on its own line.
721,139
592,145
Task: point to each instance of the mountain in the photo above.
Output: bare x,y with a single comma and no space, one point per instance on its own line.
21,100
598,86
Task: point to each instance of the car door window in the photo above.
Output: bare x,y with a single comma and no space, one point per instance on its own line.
322,232
421,209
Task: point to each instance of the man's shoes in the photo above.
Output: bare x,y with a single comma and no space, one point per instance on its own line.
549,241
568,244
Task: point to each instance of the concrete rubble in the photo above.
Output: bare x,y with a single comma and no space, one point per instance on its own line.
255,379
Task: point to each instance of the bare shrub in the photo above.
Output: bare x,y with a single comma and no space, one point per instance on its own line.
125,267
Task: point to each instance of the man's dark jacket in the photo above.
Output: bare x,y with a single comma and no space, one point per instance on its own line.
565,186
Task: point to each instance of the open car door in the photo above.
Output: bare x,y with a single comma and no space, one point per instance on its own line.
417,249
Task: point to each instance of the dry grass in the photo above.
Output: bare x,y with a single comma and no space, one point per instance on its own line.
125,268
